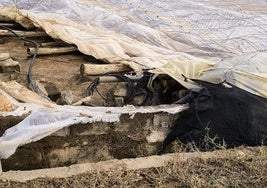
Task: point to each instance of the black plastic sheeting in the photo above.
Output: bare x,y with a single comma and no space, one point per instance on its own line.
228,115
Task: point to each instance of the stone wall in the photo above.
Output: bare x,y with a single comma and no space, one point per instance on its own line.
131,137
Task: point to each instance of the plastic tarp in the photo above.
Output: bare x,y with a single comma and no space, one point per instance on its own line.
149,34
248,72
207,39
44,121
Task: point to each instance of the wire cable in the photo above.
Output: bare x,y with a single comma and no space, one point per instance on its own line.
134,87
30,80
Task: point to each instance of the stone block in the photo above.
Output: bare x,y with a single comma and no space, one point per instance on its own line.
62,132
8,65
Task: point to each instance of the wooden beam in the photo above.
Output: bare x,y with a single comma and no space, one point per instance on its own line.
96,69
50,51
47,44
23,33
102,79
9,25
52,44
23,94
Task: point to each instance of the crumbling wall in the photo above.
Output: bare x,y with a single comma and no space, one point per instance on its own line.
94,142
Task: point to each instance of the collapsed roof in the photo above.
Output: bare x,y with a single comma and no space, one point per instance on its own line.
185,37
208,40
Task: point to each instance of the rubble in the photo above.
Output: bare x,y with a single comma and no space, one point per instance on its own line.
8,67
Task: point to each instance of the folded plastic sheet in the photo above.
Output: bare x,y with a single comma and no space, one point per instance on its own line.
248,72
43,121
179,37
209,27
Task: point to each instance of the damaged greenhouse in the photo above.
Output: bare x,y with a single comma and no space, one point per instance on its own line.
90,81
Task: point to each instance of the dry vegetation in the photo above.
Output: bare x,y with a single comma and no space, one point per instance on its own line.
245,170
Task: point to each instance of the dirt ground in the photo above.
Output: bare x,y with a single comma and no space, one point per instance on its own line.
62,70
246,170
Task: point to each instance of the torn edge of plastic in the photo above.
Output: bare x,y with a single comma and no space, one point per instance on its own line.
43,121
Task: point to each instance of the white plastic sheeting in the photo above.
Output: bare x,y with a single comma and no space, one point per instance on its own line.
186,36
248,72
213,27
208,39
44,121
